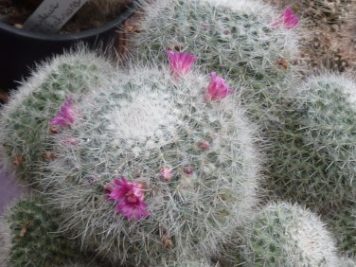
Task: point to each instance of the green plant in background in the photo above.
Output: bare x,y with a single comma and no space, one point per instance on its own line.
286,235
30,237
163,165
313,156
24,120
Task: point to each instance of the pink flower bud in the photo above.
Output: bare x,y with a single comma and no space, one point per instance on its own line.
204,145
180,62
218,88
65,115
166,174
288,19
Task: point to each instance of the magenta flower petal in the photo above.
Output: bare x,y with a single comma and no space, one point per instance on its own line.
65,115
139,212
180,62
218,88
290,19
129,197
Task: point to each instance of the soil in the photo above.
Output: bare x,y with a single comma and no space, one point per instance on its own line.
328,33
15,12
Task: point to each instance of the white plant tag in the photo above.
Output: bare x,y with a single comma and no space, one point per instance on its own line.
51,15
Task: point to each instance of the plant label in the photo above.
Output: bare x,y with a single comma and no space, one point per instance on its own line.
52,15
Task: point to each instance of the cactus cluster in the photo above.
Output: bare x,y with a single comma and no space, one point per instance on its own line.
157,165
194,159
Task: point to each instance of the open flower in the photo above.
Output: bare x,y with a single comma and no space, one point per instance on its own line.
288,19
65,115
129,197
218,88
180,62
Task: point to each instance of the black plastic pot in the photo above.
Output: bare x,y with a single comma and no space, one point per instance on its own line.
21,49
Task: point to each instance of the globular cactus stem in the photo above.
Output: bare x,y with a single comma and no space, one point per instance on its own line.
164,165
286,235
313,154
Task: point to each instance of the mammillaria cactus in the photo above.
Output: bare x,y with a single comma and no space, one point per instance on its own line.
24,121
286,235
29,235
247,40
162,165
313,156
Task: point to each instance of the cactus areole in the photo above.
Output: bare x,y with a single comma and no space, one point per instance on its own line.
20,49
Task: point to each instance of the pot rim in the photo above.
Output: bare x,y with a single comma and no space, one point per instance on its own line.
71,36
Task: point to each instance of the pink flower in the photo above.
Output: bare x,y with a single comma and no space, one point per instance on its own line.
218,88
166,174
288,19
180,62
129,197
65,115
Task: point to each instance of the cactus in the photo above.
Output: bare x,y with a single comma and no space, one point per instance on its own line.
313,156
30,235
24,124
236,38
286,235
191,162
231,37
342,222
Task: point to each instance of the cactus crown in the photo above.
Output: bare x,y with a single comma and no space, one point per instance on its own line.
191,162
